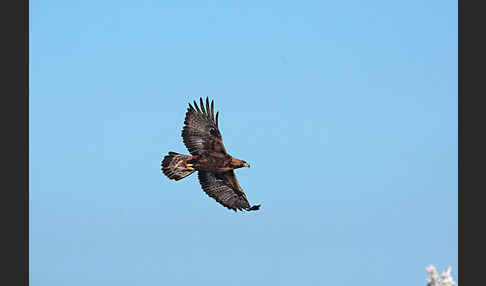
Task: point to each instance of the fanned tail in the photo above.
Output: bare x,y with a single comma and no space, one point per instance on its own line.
174,166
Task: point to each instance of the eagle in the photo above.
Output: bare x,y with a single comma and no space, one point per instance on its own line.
214,165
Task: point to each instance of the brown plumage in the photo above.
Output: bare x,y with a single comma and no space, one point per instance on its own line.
215,167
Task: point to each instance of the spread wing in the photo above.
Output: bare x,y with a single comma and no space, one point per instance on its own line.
200,132
224,188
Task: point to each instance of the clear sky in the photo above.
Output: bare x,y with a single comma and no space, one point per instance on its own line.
345,110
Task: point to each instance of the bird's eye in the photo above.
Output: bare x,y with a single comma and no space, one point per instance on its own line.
213,131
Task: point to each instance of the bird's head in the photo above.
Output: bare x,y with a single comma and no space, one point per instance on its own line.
236,163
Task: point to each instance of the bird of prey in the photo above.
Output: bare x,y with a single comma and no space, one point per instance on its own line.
209,157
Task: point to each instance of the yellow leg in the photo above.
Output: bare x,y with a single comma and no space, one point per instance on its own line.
189,166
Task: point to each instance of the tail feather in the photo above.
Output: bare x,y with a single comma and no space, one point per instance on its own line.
173,166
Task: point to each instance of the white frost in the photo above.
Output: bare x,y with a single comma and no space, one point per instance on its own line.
445,278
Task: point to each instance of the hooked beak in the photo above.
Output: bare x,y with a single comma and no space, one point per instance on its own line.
246,165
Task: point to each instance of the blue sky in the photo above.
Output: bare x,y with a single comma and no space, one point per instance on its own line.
345,110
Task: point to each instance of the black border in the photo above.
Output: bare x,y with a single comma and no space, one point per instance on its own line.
459,135
15,121
470,143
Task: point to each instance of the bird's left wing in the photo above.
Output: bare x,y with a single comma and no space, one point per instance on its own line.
200,133
224,188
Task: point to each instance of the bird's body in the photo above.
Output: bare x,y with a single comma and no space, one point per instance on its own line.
209,157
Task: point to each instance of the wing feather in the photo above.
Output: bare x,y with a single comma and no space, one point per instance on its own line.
225,190
200,133
208,111
197,108
212,110
201,106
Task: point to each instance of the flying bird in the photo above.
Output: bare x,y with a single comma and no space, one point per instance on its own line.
209,157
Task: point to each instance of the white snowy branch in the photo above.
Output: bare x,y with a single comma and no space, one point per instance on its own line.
445,278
